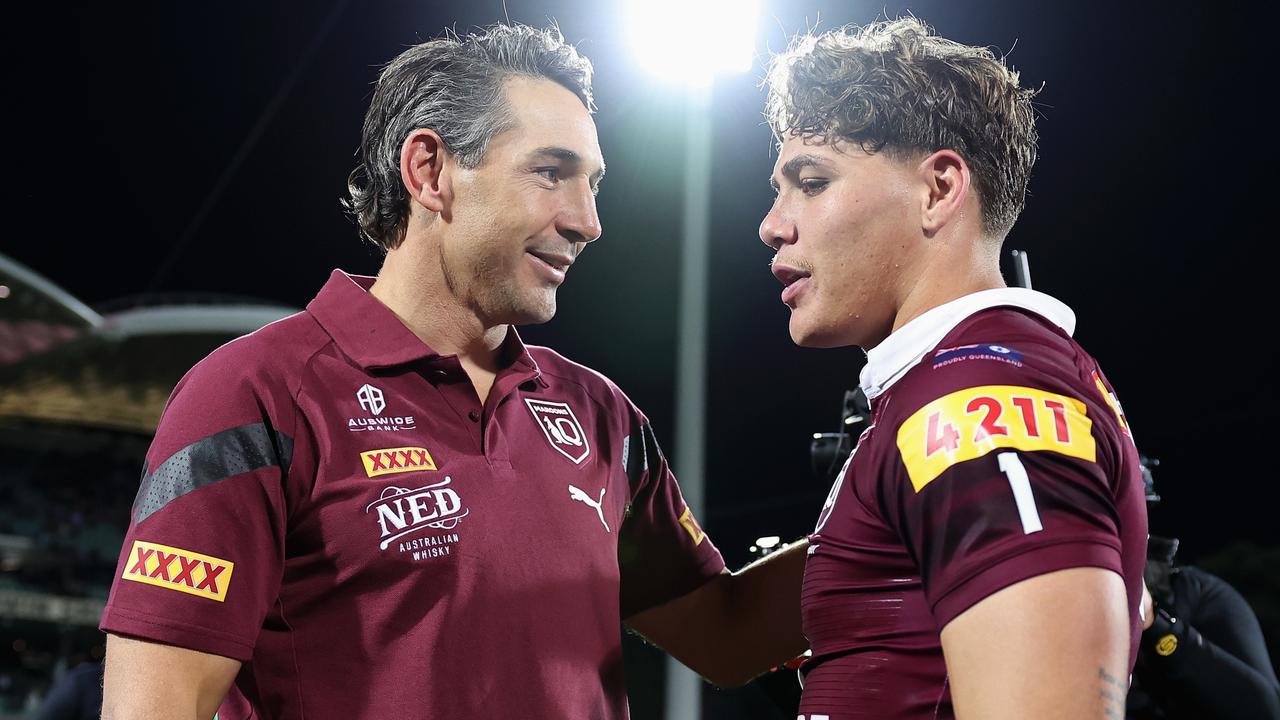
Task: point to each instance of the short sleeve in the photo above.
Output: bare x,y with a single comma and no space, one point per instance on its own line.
663,553
1001,474
202,560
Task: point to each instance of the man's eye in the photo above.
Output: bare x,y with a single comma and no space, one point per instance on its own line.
550,173
812,186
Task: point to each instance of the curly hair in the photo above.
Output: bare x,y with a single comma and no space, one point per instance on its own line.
455,86
898,87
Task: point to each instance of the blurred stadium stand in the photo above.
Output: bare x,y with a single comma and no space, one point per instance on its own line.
80,393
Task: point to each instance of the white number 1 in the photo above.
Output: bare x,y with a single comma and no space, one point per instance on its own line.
1012,467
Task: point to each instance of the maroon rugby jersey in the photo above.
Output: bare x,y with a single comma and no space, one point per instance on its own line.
997,452
327,501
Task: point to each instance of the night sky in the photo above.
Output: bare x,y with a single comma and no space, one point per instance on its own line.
204,147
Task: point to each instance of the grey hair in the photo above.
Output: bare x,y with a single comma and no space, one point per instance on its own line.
898,87
455,86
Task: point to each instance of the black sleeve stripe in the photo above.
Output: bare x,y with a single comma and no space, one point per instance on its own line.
204,462
636,451
652,440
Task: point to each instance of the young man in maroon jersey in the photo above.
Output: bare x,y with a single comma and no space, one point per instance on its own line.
981,553
388,506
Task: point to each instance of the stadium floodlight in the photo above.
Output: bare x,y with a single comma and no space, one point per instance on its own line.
690,41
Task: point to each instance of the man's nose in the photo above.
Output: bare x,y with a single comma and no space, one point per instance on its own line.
580,222
776,230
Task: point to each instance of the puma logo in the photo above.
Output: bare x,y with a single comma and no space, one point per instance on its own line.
578,494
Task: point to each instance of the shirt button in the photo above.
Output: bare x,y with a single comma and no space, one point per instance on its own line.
474,415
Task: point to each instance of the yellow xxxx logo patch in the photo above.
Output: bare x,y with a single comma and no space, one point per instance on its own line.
690,524
388,461
177,569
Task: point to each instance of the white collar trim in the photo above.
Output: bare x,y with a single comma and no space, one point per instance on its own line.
906,346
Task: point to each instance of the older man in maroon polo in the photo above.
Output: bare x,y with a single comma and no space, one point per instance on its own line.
388,506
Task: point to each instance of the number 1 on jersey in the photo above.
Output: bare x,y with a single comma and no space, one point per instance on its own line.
1011,466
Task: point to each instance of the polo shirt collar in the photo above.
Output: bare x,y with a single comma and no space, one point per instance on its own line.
906,346
371,335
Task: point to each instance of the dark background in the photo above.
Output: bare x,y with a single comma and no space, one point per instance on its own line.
204,147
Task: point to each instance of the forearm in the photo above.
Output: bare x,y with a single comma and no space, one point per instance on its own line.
760,626
737,625
763,622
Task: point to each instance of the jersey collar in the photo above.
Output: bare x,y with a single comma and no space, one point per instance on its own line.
898,353
371,335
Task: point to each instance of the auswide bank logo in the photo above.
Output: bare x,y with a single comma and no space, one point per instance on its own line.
561,427
373,401
403,511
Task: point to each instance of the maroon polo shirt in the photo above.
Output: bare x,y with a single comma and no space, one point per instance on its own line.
997,452
328,502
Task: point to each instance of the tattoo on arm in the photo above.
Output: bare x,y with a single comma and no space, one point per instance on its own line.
1113,693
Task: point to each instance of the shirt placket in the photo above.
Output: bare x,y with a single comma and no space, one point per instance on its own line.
506,388
455,388
481,421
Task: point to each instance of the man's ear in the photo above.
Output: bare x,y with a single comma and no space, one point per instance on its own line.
423,169
947,185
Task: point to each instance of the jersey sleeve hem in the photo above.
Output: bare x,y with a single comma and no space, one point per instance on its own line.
1034,561
144,626
711,567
